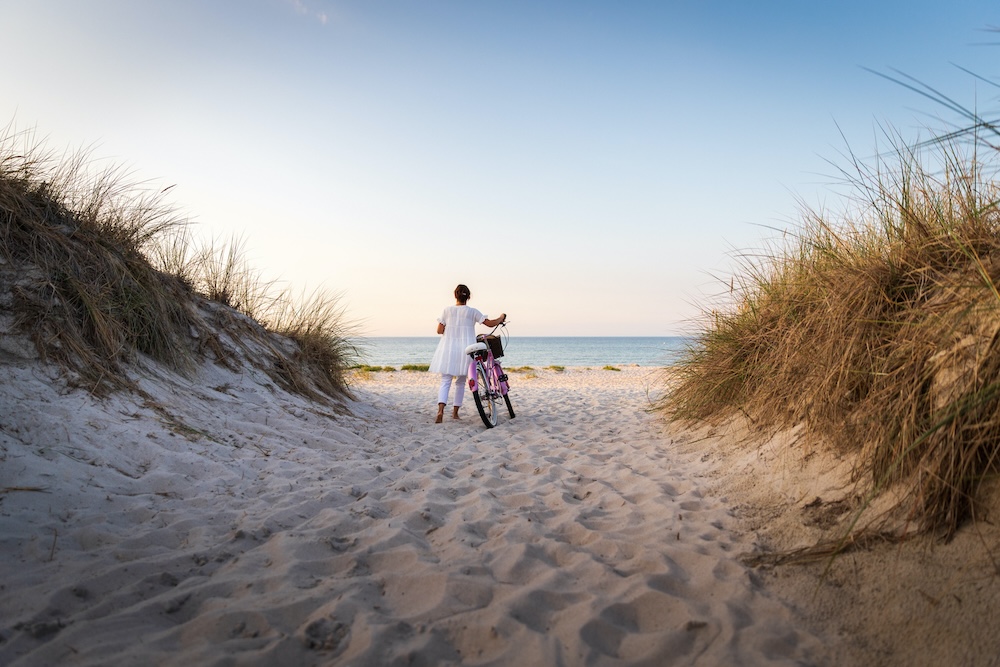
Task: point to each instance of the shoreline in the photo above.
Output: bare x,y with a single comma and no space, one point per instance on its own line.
539,351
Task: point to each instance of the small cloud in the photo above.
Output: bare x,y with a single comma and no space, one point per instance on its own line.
303,8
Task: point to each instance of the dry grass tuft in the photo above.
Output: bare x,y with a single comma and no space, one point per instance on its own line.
325,349
100,269
73,247
880,332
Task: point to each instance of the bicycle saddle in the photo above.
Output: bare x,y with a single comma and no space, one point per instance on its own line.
475,347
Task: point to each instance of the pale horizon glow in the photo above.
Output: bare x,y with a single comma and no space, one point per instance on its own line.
587,167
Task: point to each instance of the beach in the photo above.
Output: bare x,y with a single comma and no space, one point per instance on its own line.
218,443
217,519
214,519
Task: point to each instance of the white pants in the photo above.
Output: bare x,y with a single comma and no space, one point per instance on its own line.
446,389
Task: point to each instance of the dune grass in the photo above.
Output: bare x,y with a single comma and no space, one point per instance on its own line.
878,329
85,291
101,269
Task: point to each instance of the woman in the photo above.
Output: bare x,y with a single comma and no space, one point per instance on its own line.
458,326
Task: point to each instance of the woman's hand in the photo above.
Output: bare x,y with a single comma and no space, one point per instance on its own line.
495,322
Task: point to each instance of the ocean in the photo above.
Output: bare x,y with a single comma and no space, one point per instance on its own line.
537,351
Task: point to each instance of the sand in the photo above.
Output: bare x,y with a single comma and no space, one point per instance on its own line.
924,601
217,520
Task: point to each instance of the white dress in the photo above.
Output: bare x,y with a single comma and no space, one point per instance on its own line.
459,333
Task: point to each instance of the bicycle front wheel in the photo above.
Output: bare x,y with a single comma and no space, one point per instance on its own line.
485,398
510,408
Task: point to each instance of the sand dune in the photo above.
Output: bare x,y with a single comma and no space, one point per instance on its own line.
220,520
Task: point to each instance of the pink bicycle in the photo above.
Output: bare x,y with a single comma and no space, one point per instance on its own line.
487,380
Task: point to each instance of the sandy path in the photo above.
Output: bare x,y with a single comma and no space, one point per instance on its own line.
596,544
240,525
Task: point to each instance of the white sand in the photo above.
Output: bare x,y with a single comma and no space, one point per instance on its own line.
219,520
922,602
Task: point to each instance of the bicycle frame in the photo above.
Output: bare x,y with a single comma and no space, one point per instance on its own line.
492,366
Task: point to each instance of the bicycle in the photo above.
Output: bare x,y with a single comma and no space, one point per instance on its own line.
487,381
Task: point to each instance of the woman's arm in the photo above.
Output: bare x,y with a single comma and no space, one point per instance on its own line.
440,327
499,320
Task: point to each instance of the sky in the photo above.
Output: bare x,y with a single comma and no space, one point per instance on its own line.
591,168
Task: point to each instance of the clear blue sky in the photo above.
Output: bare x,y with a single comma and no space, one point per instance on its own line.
587,167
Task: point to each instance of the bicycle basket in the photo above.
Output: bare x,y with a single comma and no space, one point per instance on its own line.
496,345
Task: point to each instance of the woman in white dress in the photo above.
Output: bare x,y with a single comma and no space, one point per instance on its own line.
457,325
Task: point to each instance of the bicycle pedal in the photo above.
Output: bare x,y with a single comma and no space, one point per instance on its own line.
503,377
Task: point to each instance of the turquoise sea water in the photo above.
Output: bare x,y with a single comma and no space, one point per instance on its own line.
537,351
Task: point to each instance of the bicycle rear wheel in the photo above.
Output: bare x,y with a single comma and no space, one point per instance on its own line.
485,397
